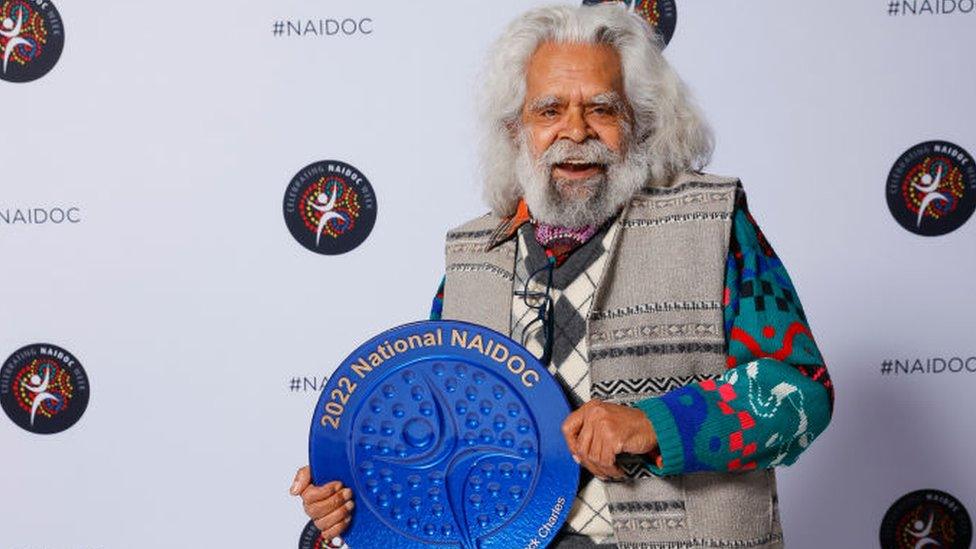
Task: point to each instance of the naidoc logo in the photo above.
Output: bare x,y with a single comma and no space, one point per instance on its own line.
330,207
931,189
43,388
31,39
926,518
661,14
312,538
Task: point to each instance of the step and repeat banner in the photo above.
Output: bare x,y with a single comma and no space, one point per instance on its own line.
173,297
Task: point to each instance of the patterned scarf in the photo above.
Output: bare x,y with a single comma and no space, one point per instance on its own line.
558,241
562,241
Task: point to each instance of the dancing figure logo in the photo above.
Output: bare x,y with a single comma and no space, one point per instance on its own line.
931,189
312,538
926,519
330,207
31,39
660,14
43,388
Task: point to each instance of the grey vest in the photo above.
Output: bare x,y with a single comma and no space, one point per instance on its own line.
656,324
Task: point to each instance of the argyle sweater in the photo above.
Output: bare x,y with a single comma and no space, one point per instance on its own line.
776,396
573,287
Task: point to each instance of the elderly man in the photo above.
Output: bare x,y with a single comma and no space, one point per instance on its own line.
644,285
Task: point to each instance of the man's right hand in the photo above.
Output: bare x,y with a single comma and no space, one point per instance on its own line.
329,506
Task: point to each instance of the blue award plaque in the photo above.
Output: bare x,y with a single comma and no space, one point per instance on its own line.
449,435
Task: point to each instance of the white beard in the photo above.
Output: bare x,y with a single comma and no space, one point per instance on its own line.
606,192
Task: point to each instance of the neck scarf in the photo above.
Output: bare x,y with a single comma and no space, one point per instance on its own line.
558,241
562,241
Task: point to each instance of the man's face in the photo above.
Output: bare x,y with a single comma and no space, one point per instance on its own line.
574,132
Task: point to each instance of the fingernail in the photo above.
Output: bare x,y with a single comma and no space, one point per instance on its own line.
576,459
347,493
294,488
350,504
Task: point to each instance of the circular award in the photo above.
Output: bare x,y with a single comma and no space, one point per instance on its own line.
448,434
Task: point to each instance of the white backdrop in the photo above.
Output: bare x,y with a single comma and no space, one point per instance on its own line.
175,127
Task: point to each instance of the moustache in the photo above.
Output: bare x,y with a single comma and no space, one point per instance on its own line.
591,152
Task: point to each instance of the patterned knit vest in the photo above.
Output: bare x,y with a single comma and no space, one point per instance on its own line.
655,324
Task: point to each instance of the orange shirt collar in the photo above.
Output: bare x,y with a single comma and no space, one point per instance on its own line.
506,229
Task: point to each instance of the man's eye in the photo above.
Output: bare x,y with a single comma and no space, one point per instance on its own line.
549,113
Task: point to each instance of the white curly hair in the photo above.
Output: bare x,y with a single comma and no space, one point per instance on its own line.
667,128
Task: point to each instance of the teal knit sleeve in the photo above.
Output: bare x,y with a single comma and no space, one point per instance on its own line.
775,397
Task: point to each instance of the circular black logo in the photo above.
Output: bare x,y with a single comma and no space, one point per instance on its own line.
926,518
43,388
31,39
312,539
931,189
330,207
661,14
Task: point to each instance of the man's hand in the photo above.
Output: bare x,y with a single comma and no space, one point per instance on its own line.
597,431
329,506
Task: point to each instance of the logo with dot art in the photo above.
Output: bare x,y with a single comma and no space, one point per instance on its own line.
660,14
43,388
926,518
931,189
330,207
31,39
312,538
448,434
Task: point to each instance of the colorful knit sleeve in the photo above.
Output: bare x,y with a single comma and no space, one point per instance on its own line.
775,397
437,306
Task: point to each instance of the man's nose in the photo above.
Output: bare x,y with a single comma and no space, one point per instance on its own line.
576,127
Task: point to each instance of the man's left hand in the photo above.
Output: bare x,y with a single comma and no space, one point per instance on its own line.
597,431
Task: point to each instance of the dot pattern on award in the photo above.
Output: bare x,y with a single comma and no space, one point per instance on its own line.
415,422
448,434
